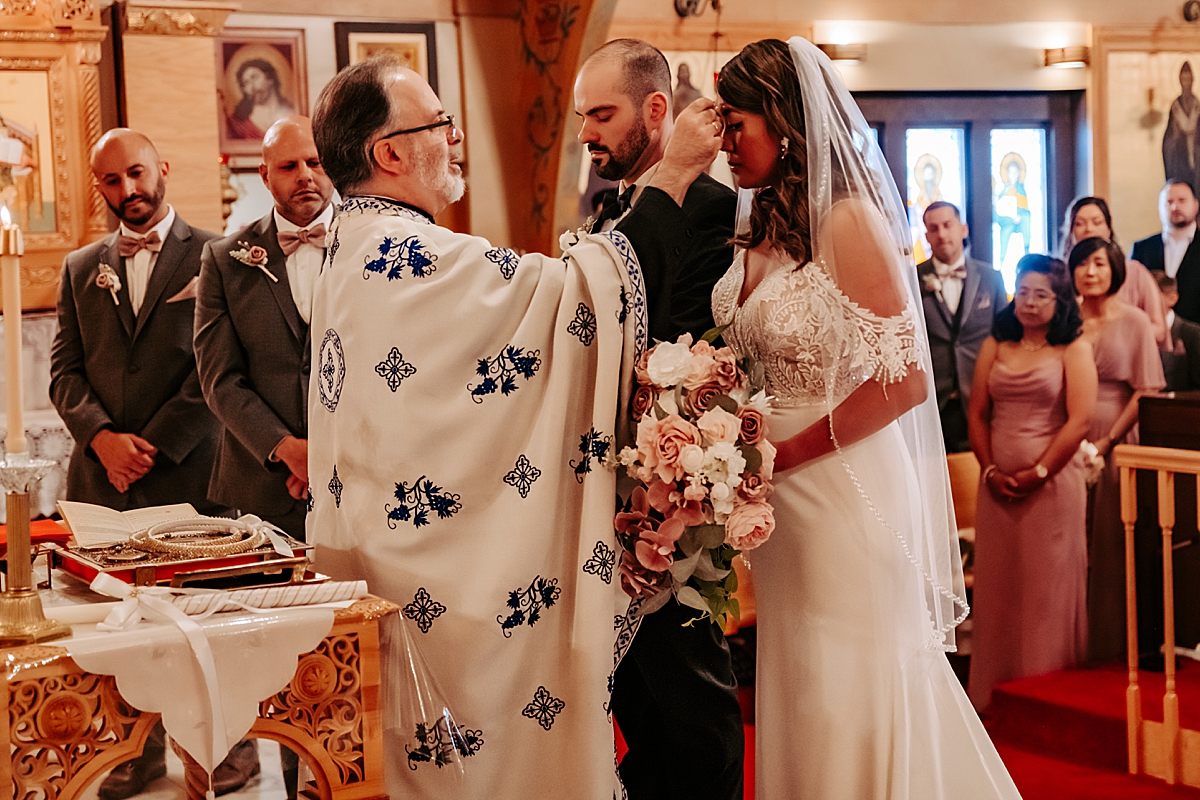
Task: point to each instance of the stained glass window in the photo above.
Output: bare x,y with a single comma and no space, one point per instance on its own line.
935,159
1018,198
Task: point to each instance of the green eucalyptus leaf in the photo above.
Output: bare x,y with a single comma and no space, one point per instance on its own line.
754,458
683,568
725,402
692,599
705,570
709,536
659,413
712,334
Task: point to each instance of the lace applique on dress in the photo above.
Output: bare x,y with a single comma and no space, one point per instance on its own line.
814,342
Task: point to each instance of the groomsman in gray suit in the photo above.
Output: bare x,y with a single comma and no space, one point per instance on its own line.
252,336
960,297
123,378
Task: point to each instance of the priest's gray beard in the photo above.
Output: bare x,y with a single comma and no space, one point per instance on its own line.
434,171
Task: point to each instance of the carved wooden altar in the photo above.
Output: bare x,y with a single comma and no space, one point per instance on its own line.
67,727
49,56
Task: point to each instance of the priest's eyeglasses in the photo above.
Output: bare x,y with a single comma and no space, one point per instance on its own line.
453,132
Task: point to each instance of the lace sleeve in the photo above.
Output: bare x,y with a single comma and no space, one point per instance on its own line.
887,346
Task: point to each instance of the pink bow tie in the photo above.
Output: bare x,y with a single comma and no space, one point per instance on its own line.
128,246
290,241
959,272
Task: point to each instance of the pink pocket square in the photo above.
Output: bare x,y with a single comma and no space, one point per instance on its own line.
186,293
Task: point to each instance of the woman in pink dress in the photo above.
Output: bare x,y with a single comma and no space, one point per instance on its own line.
1034,393
1128,365
1088,217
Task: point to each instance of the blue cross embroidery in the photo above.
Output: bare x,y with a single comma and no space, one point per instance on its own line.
423,610
502,371
505,259
527,604
331,369
584,325
394,369
592,445
335,488
417,501
437,743
395,256
544,708
522,476
601,563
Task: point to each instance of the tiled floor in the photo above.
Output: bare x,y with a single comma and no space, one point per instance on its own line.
267,785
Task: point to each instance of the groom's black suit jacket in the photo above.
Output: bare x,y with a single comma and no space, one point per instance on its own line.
674,692
1150,251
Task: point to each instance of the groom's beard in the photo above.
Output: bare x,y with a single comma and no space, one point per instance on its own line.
626,154
440,175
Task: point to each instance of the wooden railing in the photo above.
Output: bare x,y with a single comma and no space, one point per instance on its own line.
1156,748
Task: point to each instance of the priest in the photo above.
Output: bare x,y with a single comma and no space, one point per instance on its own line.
464,403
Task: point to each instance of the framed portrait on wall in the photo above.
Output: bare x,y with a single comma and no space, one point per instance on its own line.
262,76
412,42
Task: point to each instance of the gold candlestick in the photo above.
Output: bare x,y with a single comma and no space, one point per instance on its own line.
21,618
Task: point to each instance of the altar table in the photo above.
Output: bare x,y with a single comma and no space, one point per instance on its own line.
67,727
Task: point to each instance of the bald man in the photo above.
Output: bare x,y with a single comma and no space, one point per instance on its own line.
123,377
252,334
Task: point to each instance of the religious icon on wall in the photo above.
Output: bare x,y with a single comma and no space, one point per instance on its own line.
1179,148
261,78
26,186
685,93
1011,209
412,43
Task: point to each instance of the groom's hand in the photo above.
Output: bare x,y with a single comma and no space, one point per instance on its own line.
694,144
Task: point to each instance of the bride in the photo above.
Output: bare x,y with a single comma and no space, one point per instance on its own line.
860,587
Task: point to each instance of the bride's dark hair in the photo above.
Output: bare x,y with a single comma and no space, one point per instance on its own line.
762,80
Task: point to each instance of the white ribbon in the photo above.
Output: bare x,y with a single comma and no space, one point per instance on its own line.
270,531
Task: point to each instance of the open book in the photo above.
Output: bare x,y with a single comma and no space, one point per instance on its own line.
101,526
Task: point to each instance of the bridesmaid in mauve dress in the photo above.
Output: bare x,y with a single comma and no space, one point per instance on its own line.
1129,366
1035,389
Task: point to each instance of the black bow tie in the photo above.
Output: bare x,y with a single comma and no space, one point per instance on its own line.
615,210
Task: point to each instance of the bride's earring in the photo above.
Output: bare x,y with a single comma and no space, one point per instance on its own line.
783,147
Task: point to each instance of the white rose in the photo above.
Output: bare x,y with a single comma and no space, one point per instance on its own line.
629,456
691,458
669,364
720,492
735,465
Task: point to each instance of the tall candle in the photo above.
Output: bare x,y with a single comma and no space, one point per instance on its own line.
11,249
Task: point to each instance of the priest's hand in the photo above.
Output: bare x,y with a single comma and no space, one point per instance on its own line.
694,145
126,457
297,488
294,453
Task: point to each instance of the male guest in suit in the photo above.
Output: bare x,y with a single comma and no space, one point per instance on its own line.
1175,251
674,694
960,297
1181,364
123,377
252,334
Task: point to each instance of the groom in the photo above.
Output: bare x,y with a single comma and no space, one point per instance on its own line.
674,694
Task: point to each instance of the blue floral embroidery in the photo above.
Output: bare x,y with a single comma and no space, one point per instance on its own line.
335,488
395,256
310,503
377,205
423,610
637,286
583,326
331,369
394,369
544,708
418,500
438,742
523,475
601,563
501,372
527,604
505,259
592,445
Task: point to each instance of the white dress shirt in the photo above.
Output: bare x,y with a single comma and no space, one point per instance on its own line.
951,287
304,265
638,187
1175,248
141,264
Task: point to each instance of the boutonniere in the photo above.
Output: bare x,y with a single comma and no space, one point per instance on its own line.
253,257
109,279
569,239
932,283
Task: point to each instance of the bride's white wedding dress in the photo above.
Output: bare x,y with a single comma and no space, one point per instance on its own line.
851,700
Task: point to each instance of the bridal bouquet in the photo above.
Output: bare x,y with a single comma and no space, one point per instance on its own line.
700,473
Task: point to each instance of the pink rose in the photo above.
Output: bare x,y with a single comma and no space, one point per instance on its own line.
703,366
753,424
749,525
661,442
767,470
258,254
726,370
643,377
637,581
753,487
718,425
643,401
697,400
